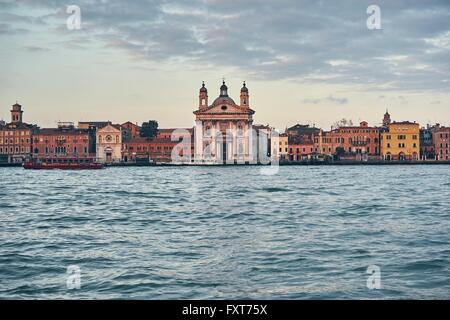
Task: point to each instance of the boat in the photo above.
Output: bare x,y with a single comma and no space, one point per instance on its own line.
63,164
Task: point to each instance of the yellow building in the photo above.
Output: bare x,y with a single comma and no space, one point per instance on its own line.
401,141
280,146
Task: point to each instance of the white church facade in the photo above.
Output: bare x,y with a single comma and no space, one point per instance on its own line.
223,130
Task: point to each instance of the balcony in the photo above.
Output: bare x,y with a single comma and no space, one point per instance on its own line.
360,143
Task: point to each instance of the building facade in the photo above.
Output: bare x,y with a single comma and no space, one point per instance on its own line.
300,152
400,142
129,130
160,148
427,148
280,147
109,144
303,142
355,142
441,138
16,137
223,129
63,142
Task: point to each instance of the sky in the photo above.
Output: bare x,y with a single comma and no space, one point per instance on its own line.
308,62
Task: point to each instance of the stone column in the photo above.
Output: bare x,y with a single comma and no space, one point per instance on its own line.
235,143
249,142
217,141
198,138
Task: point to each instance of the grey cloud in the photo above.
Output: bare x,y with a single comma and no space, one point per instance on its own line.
6,29
311,101
285,39
332,99
329,99
36,49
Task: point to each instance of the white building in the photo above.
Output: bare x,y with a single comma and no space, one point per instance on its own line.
223,130
109,143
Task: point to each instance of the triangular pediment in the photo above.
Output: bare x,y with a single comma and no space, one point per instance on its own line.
225,109
109,128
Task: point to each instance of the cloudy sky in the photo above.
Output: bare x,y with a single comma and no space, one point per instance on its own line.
304,61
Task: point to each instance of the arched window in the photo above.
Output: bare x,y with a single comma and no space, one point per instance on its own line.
240,129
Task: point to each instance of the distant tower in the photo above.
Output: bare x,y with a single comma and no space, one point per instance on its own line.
203,97
386,119
16,113
244,96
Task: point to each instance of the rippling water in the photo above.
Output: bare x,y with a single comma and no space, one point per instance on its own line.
226,232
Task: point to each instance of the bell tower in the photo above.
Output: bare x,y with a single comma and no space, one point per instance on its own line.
203,97
244,96
386,119
16,113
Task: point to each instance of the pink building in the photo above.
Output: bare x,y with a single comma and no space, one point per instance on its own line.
441,140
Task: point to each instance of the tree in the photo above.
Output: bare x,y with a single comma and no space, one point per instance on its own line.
343,123
340,151
149,129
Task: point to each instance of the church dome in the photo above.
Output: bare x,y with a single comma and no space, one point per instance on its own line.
223,97
221,100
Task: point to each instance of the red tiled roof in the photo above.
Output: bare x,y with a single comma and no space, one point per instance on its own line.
57,131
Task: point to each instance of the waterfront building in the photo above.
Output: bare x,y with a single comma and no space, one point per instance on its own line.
441,138
427,149
400,141
303,134
130,130
299,152
280,146
223,129
159,148
16,137
65,141
303,142
263,135
352,142
109,143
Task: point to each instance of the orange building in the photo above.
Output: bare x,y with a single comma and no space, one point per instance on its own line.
15,137
299,152
353,142
303,142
